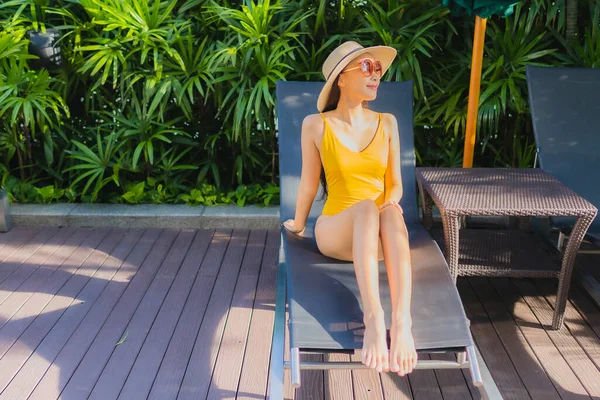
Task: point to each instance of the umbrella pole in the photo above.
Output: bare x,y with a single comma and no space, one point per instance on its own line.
474,86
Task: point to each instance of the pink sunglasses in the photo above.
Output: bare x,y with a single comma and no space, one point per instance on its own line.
368,67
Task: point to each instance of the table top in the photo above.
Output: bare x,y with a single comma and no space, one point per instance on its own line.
501,191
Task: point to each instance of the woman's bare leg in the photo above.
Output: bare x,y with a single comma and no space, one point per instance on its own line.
396,250
353,234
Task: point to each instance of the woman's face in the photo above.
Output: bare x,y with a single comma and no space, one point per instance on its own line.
355,84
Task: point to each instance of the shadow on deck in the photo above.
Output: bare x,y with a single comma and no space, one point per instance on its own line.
187,314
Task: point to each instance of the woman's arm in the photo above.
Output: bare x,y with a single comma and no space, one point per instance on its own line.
393,177
311,170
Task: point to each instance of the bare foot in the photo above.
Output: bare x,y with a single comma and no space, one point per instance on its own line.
403,357
375,352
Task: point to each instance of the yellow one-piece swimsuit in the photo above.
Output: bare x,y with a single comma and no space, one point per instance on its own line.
353,176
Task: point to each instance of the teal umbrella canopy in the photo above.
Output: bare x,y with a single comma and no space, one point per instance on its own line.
481,8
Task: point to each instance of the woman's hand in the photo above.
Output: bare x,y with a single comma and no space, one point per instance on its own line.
291,226
391,203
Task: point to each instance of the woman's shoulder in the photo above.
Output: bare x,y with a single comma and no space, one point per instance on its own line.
312,123
389,121
388,118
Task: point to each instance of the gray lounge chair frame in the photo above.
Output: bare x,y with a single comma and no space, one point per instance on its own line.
321,294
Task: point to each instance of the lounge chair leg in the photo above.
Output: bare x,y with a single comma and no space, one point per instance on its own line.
561,240
295,366
276,374
482,379
474,366
461,357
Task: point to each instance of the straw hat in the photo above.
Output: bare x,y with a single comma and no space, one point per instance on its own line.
341,56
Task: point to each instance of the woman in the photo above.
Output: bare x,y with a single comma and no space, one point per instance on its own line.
362,222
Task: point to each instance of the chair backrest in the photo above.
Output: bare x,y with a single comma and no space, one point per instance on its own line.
565,109
296,100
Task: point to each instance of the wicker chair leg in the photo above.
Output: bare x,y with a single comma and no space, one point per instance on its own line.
451,225
427,207
568,262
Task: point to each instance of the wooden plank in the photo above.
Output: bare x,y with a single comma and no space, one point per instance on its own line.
366,382
255,369
587,309
17,235
121,360
311,381
38,362
37,245
58,373
51,277
171,372
89,369
424,384
212,269
338,383
28,267
451,381
563,378
64,310
140,379
577,358
396,387
577,325
492,350
529,368
67,283
197,378
228,367
13,240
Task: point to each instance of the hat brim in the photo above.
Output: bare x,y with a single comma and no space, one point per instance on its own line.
383,54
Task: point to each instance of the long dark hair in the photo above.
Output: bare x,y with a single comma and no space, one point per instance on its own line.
332,102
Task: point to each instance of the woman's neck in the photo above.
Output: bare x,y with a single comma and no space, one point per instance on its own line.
350,111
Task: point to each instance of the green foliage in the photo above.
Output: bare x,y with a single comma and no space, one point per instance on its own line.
161,101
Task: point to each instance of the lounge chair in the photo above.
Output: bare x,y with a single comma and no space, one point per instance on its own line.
565,110
322,298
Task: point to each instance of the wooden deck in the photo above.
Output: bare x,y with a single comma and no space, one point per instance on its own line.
187,314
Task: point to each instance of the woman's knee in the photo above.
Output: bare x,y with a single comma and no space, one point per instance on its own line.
366,215
391,219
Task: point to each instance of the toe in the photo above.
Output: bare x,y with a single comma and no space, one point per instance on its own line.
406,365
386,364
366,357
403,365
373,363
394,366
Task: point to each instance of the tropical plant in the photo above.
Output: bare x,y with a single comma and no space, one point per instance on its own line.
27,105
585,52
259,44
174,101
100,163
